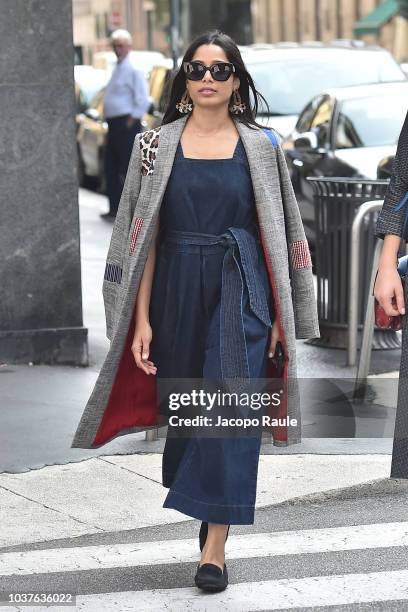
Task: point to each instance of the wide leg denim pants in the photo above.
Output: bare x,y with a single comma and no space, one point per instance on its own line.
211,317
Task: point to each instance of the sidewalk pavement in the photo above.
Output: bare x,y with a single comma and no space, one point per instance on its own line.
117,493
48,490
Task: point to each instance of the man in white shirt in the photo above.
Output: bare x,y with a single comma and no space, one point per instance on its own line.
125,102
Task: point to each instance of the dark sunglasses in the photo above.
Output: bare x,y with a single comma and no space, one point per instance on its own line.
220,71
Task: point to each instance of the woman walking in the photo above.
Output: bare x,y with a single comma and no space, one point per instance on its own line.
392,227
208,269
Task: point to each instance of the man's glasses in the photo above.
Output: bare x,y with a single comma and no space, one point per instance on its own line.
220,71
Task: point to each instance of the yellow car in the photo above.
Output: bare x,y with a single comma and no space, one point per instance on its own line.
92,128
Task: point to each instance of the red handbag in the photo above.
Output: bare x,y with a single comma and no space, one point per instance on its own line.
382,320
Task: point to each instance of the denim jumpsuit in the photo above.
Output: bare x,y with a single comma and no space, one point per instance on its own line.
211,316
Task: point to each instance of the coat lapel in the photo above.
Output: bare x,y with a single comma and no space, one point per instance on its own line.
266,186
258,147
170,134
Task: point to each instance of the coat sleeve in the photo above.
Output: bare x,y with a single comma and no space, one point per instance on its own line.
392,216
120,235
300,262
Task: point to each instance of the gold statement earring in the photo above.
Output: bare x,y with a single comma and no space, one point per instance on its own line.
185,105
237,105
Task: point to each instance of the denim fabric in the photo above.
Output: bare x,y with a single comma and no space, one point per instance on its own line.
208,263
240,266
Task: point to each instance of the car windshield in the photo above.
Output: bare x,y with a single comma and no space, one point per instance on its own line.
91,81
90,89
289,85
371,122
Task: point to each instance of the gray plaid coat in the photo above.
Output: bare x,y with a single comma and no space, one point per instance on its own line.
392,219
124,397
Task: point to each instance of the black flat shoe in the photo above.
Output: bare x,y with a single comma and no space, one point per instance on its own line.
204,532
211,577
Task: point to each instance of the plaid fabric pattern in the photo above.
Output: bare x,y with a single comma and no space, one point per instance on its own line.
136,229
399,463
391,217
391,220
280,225
113,273
300,254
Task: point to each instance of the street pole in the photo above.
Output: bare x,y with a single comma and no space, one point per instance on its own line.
174,30
318,20
148,7
401,32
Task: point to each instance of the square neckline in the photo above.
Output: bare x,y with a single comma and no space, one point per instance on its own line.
180,146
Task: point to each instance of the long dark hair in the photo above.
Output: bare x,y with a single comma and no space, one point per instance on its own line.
177,82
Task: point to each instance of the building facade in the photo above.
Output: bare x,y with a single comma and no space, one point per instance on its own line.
247,21
374,21
94,20
149,22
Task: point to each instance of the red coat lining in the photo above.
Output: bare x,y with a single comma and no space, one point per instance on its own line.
133,398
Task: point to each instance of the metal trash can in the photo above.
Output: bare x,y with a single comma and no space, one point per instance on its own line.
336,201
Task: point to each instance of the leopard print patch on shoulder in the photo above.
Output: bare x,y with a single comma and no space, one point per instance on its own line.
149,141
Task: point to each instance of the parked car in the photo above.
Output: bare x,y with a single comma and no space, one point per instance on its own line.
384,168
91,139
90,80
404,67
344,132
290,74
160,76
81,103
91,142
144,60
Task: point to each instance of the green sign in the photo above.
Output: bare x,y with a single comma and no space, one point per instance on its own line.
384,12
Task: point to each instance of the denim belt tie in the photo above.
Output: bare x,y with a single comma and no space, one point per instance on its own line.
234,358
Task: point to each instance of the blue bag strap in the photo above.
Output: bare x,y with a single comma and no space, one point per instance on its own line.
271,135
403,265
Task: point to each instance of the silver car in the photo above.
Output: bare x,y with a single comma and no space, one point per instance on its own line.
289,75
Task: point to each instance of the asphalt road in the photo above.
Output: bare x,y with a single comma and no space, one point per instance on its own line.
346,550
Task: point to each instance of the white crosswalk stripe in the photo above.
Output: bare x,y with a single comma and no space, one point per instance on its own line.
263,595
379,535
275,594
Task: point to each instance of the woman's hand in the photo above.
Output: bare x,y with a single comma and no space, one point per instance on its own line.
274,338
389,291
141,346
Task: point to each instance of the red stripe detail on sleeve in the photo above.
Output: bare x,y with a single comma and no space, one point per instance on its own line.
136,229
300,254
